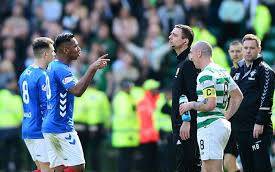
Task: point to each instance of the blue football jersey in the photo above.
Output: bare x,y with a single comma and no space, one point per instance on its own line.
32,85
59,118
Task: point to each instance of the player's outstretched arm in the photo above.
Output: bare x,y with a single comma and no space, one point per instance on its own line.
236,97
85,80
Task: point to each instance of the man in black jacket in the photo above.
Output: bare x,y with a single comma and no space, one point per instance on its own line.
231,151
252,122
184,82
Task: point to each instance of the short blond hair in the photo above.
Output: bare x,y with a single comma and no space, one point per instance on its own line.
40,44
252,37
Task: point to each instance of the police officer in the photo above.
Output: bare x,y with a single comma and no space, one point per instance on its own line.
252,122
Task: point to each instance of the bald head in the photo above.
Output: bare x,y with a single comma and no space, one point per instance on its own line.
204,47
200,54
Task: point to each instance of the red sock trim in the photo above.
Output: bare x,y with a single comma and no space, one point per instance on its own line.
36,171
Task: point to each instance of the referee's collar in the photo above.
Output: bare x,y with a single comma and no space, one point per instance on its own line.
183,55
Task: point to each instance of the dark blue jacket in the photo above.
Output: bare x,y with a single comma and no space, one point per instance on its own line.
257,85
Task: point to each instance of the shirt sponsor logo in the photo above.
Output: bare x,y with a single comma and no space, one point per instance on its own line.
67,80
28,115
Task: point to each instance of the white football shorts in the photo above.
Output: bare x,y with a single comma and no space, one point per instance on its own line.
37,149
64,149
213,138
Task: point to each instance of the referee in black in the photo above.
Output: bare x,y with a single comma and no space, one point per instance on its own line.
252,122
184,82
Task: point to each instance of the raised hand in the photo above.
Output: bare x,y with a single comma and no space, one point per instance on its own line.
101,62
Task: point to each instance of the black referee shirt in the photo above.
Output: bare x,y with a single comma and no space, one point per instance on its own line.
184,82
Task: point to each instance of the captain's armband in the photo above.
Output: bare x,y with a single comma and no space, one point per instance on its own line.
209,92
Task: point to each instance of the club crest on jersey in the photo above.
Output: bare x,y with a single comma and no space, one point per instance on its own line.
28,72
252,75
44,87
236,76
67,80
177,72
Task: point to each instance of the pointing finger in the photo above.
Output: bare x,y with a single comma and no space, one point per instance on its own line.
103,57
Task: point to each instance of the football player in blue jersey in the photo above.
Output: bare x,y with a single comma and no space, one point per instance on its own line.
32,83
64,147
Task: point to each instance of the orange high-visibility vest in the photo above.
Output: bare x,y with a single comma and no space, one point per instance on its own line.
145,111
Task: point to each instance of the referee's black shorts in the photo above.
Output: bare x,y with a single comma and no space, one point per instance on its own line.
231,147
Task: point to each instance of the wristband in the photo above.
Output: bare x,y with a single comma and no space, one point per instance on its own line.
186,118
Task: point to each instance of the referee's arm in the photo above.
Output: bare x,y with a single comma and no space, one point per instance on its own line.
190,80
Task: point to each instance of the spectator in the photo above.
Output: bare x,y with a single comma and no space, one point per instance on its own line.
195,9
95,20
37,19
104,39
30,57
70,19
123,68
170,14
154,48
85,29
103,9
7,74
16,25
52,10
125,26
231,13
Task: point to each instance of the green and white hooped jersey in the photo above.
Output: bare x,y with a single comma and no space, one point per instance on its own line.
213,81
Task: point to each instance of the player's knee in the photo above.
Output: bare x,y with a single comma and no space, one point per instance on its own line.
44,167
227,163
212,166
